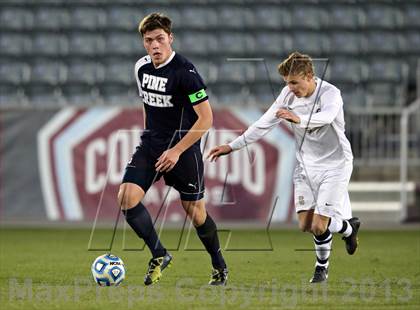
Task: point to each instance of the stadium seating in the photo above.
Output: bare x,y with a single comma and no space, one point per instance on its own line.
96,44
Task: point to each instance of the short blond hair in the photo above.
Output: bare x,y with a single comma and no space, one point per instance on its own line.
296,64
155,21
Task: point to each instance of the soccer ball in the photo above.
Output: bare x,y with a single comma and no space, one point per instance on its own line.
108,270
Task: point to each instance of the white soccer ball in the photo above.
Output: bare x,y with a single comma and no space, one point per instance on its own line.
108,270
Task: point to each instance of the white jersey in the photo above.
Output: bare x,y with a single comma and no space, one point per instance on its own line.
320,139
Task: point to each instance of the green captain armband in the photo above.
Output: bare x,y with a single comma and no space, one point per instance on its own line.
197,96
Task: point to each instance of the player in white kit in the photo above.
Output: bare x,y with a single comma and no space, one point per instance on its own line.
314,110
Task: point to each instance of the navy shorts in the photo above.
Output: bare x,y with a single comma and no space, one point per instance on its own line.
186,177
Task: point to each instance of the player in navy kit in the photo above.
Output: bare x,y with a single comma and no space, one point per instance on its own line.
177,114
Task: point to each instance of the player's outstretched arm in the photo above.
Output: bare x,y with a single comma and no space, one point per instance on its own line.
168,159
218,151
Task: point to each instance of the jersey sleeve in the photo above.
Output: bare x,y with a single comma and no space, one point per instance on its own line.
193,85
262,126
141,62
331,103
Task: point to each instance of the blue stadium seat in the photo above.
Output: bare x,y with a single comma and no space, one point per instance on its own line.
124,18
15,45
384,16
274,44
346,70
310,43
344,17
307,16
195,43
86,44
385,94
266,71
410,42
49,44
262,94
80,94
379,42
12,18
411,16
14,72
51,18
232,44
44,71
119,95
87,18
10,95
345,43
272,17
387,70
198,17
235,17
353,95
44,95
80,71
235,72
119,71
120,43
230,94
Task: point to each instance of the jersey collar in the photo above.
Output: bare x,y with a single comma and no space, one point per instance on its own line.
167,61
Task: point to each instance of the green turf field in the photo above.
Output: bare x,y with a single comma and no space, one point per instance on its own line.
50,269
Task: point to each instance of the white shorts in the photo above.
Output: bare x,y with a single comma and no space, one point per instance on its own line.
324,191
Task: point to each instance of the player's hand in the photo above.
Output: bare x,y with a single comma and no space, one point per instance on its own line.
218,151
288,116
168,160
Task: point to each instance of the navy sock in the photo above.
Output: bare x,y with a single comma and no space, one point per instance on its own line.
140,221
207,233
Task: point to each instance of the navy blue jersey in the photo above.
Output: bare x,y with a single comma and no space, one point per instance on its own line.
169,93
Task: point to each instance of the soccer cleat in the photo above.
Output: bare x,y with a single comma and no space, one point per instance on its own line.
320,275
218,276
156,266
352,241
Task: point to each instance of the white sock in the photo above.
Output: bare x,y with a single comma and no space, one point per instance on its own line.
335,225
340,226
323,248
346,230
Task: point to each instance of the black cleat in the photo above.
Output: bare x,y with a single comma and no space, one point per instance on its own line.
352,241
156,266
320,275
219,276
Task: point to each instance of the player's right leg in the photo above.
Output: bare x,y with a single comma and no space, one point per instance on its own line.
139,176
130,196
207,232
306,192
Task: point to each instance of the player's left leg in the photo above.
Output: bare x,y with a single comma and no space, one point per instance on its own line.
187,178
333,203
207,232
330,217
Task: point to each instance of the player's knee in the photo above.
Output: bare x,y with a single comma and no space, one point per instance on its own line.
304,227
318,229
196,213
127,199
